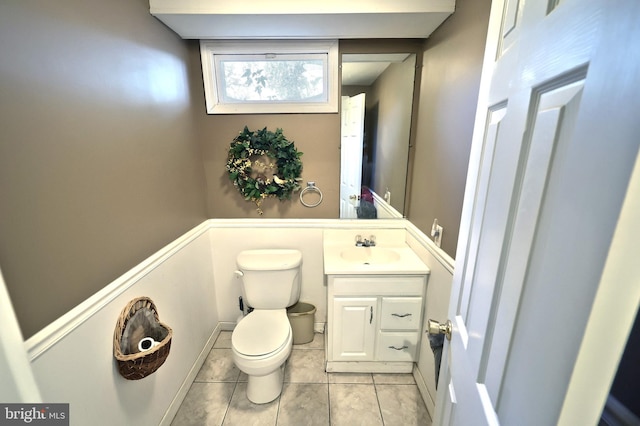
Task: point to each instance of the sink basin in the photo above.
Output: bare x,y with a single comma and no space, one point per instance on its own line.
370,255
391,256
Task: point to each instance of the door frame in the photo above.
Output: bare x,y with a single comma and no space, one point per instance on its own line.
18,384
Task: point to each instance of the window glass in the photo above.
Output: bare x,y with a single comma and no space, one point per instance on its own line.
240,78
274,79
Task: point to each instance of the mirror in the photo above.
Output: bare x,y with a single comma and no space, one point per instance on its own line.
376,118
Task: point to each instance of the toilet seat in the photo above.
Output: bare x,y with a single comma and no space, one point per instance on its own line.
261,332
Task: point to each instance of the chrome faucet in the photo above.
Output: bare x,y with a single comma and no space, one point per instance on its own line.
370,242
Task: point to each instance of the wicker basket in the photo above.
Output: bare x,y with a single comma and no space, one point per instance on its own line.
139,365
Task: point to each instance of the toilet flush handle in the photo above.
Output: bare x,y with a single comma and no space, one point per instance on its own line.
238,274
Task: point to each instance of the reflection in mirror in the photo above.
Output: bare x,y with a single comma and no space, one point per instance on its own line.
376,108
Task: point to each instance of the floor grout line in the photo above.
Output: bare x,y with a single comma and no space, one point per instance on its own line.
226,411
375,389
329,401
285,415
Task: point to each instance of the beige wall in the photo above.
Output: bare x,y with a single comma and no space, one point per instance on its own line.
104,135
450,81
392,97
100,162
317,136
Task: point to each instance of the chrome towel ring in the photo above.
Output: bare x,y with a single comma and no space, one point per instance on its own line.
311,187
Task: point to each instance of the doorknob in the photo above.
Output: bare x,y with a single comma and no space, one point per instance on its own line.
436,328
354,197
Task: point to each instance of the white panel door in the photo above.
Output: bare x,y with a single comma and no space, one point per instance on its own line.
352,139
555,141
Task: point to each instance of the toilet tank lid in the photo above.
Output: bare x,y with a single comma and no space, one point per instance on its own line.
269,259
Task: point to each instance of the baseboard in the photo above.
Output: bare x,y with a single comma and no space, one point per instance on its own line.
368,367
186,384
422,387
227,326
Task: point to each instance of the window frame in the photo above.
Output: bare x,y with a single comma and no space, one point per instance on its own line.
209,49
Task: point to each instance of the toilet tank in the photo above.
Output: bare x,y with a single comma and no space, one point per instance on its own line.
270,277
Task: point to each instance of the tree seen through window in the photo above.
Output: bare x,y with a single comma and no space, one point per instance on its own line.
273,80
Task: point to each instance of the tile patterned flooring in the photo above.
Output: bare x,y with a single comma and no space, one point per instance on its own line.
310,396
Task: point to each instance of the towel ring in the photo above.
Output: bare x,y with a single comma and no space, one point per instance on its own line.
311,187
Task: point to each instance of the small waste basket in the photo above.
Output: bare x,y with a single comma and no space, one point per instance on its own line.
301,317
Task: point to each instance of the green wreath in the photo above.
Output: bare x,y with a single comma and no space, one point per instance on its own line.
264,164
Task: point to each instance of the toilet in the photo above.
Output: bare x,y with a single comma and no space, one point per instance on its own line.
261,341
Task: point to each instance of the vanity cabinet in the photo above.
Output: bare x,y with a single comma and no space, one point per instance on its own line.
374,322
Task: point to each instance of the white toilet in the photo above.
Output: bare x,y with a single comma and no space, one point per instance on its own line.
262,340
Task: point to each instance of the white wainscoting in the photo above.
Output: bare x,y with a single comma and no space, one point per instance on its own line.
72,358
437,305
196,293
230,236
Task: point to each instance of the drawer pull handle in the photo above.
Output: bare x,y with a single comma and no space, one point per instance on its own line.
371,317
398,349
400,315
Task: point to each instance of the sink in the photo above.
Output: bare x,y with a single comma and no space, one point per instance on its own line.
392,255
370,255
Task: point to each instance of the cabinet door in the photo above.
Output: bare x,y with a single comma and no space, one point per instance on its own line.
354,328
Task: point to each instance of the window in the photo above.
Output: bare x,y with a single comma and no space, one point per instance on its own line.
270,76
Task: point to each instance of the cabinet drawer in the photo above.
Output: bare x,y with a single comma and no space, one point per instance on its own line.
400,313
367,285
396,346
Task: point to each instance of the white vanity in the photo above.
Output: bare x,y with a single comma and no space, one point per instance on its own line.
375,303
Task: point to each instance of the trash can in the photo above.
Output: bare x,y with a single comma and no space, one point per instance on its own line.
301,317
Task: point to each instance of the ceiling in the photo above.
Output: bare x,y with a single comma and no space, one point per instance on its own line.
364,69
295,19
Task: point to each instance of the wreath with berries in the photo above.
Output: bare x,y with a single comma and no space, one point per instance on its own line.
264,164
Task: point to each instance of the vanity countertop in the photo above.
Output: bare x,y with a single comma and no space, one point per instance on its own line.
396,259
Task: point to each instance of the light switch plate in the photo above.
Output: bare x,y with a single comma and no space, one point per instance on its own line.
437,238
436,232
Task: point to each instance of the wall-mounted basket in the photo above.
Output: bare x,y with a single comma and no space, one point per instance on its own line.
138,320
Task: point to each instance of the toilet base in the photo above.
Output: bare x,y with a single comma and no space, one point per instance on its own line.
263,389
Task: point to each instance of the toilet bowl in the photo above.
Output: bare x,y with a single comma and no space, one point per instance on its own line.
261,341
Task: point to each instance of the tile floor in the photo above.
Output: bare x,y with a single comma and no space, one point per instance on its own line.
310,396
